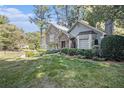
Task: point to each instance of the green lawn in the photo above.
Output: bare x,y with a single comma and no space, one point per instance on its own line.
59,71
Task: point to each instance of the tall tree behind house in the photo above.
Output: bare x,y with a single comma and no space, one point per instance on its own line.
106,14
42,16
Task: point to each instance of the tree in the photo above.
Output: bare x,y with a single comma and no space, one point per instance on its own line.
3,19
106,14
67,15
33,39
41,17
11,37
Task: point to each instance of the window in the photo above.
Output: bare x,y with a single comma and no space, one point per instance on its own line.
96,42
62,44
52,38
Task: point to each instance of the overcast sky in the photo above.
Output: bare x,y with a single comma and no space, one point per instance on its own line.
19,15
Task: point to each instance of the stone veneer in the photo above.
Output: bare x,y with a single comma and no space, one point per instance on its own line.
58,37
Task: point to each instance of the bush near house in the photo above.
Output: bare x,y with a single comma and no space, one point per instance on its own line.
113,47
73,51
52,51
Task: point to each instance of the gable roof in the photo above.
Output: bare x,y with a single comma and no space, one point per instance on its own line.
61,28
91,27
87,32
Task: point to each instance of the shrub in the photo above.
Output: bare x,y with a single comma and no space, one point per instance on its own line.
113,47
70,51
73,51
85,52
80,52
64,50
31,53
52,51
88,53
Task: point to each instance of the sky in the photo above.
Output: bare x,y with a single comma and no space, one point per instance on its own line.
19,15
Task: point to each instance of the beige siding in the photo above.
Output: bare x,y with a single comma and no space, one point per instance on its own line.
84,41
89,39
79,28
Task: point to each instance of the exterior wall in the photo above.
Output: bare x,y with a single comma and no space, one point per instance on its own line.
63,37
79,28
88,38
52,31
58,37
91,40
98,36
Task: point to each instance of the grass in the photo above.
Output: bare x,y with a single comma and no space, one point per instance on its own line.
59,71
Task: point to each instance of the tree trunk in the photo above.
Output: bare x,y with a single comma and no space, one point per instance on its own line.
109,27
41,37
66,12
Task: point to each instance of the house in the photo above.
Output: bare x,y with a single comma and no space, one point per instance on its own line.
80,35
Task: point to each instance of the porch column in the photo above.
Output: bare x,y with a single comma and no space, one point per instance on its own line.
90,41
70,43
78,42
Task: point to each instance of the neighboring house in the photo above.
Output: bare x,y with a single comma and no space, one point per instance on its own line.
81,35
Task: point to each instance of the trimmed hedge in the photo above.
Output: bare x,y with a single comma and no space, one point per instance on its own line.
113,47
73,51
52,51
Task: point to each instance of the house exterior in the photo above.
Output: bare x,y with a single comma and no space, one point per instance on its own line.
80,35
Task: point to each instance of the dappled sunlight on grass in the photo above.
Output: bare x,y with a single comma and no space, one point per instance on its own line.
104,64
40,75
40,66
69,74
47,70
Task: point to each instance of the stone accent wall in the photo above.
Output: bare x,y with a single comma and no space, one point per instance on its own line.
58,37
65,38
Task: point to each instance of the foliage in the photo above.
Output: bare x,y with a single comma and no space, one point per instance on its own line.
64,50
41,17
52,51
67,15
73,51
107,14
33,39
113,47
31,53
3,19
11,37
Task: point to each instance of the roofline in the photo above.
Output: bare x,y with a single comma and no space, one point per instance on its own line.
91,27
48,27
58,29
72,27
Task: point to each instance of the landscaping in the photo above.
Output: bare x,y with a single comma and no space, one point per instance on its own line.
62,46
58,70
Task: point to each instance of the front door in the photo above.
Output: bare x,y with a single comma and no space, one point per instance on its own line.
62,44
